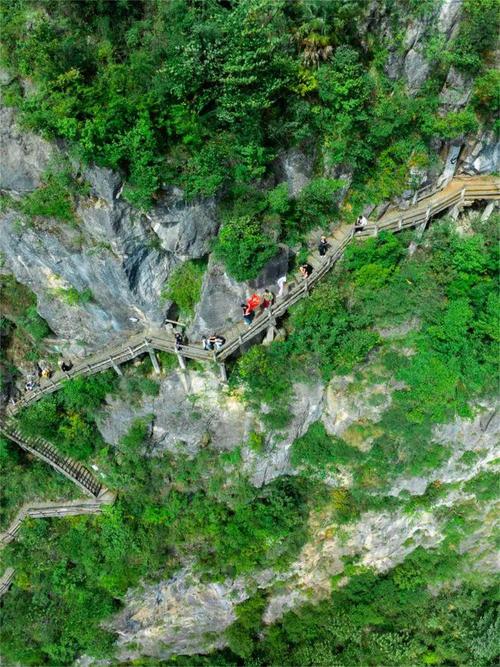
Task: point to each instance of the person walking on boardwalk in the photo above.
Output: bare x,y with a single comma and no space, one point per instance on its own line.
248,313
179,341
267,299
219,342
305,270
65,365
360,223
323,246
206,343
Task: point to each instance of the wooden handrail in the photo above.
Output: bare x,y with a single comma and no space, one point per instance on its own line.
77,507
463,190
486,188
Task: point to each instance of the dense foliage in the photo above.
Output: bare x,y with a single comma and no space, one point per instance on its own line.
24,480
184,286
169,507
207,94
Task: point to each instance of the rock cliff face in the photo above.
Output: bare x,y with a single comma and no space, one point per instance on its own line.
179,616
123,257
184,615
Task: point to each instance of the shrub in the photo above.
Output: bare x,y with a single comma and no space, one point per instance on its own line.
184,286
486,96
317,205
243,247
320,452
54,198
72,296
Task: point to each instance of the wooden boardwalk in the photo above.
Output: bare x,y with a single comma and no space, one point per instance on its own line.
460,192
44,511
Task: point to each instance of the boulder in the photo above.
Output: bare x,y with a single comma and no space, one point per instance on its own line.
185,229
483,156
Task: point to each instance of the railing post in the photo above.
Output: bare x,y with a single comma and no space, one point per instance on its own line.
181,360
306,286
400,223
153,358
375,230
223,372
117,368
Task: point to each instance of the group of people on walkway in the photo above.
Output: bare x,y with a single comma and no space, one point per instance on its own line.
43,371
213,342
256,304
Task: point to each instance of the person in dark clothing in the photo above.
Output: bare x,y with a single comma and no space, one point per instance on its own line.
179,341
323,246
306,270
248,314
66,366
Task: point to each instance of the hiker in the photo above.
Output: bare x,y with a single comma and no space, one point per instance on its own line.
253,302
65,366
46,373
219,342
212,341
305,270
323,246
207,345
179,341
267,299
281,285
248,314
31,384
360,223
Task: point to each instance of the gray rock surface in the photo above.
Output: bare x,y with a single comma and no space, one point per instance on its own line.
221,297
480,435
24,156
296,168
50,257
183,423
115,251
483,155
416,69
275,460
185,229
181,615
349,402
456,91
219,305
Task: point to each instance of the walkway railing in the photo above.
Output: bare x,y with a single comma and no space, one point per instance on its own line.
459,192
44,511
73,470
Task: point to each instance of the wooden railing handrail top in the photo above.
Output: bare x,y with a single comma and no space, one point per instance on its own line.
433,202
